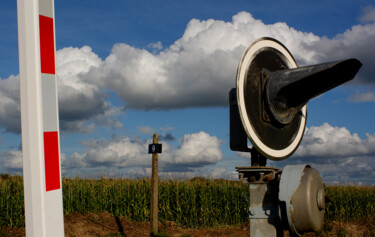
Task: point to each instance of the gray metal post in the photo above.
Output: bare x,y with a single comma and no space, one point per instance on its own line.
264,206
264,218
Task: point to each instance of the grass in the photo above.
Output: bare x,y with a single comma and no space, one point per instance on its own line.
191,203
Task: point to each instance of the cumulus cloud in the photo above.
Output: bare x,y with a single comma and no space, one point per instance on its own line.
120,153
356,169
79,101
198,69
329,141
338,170
10,104
196,150
325,143
196,155
11,161
339,155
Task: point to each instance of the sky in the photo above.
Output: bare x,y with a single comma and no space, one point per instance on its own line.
127,69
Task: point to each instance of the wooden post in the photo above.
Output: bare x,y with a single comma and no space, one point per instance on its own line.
154,189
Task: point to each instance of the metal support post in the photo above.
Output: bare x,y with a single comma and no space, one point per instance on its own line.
264,206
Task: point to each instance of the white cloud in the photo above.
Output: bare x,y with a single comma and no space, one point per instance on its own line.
10,104
79,100
368,14
353,43
11,159
356,169
155,47
145,129
197,70
200,68
329,141
196,150
368,96
339,155
76,126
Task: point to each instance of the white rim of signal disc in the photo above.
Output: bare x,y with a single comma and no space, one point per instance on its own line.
245,62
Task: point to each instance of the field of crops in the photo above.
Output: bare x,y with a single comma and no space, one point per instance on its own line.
192,203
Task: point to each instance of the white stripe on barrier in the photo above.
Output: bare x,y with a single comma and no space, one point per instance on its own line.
46,8
49,102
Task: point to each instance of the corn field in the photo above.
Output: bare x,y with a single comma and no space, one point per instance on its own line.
192,203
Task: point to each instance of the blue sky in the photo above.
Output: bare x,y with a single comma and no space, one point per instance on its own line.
126,69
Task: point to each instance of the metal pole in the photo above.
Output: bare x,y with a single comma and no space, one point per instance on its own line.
264,212
154,189
39,118
263,209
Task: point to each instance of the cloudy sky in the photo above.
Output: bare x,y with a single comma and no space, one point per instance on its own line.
127,69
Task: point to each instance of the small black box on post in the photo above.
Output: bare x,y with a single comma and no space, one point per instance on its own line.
154,148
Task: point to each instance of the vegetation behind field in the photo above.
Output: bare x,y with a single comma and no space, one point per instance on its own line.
192,203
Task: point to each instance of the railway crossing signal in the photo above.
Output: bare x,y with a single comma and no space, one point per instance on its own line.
268,107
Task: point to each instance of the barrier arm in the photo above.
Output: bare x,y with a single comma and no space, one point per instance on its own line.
39,119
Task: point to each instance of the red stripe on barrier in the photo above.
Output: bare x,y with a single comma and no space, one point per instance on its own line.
47,44
51,160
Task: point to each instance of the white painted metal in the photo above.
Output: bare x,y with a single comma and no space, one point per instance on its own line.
46,8
246,60
43,208
50,115
289,183
261,197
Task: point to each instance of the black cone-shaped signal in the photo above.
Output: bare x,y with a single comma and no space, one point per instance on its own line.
271,96
287,91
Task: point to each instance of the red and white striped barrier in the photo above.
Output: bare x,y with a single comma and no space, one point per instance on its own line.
39,119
